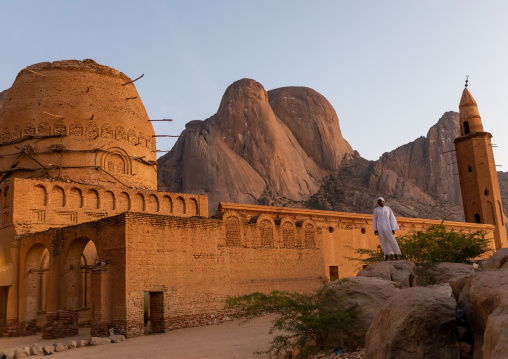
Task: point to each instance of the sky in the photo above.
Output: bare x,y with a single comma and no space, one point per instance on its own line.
390,69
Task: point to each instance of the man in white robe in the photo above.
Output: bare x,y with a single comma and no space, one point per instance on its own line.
385,225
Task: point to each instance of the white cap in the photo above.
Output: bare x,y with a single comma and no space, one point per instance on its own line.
381,198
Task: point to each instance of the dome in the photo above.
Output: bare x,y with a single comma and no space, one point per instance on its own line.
79,121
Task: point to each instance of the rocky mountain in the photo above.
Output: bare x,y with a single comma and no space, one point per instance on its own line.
284,147
2,96
257,145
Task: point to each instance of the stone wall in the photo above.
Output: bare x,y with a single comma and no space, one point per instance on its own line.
343,232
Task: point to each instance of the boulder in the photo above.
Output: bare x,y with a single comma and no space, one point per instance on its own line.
370,294
496,261
117,338
400,272
22,353
48,349
444,272
36,349
416,323
72,344
483,299
7,354
60,347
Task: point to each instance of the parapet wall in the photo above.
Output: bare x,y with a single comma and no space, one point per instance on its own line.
344,232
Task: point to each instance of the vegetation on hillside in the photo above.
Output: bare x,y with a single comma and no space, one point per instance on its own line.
308,322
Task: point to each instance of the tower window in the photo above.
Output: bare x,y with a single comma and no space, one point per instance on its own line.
477,218
486,191
469,168
466,127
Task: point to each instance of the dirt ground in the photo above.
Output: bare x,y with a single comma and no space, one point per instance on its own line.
225,340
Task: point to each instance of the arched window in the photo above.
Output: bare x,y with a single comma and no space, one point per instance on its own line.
477,218
466,127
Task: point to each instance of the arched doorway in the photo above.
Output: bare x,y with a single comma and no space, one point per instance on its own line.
75,293
35,290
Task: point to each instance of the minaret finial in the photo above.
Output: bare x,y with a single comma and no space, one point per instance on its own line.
467,79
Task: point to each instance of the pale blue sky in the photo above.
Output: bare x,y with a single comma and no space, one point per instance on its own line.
389,68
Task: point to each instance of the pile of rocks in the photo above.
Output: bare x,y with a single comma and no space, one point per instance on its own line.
463,317
37,349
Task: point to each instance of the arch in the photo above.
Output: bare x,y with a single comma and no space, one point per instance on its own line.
492,214
266,233
43,129
179,207
309,235
72,289
75,198
288,235
475,211
233,231
34,293
91,130
166,204
124,202
92,199
466,127
109,201
106,131
192,207
29,129
39,196
138,203
60,128
87,261
75,129
131,136
152,204
57,198
120,133
116,161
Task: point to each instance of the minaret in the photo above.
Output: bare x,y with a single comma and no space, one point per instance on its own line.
479,185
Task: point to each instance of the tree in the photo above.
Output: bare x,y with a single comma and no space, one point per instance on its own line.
315,321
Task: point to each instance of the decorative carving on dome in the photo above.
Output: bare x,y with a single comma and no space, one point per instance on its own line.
106,131
60,128
6,135
120,133
131,137
75,129
44,129
29,129
92,130
16,132
141,139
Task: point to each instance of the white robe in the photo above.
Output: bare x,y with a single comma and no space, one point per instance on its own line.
384,223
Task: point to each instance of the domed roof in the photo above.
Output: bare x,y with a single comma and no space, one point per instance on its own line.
77,120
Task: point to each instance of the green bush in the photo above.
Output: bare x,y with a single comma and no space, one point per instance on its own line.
311,322
433,245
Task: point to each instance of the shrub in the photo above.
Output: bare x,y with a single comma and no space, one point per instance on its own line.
312,322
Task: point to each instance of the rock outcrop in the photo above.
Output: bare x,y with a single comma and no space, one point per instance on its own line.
370,295
402,273
416,323
483,298
245,152
2,97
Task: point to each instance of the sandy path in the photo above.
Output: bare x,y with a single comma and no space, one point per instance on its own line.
226,340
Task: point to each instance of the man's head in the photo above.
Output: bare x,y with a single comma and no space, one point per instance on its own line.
381,201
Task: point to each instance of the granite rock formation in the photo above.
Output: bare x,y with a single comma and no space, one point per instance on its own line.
402,273
2,96
246,152
284,147
416,323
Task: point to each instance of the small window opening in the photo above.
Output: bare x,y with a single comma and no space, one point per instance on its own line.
477,218
469,168
486,191
330,229
334,273
364,231
466,127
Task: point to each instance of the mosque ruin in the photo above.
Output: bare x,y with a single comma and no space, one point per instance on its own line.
87,240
